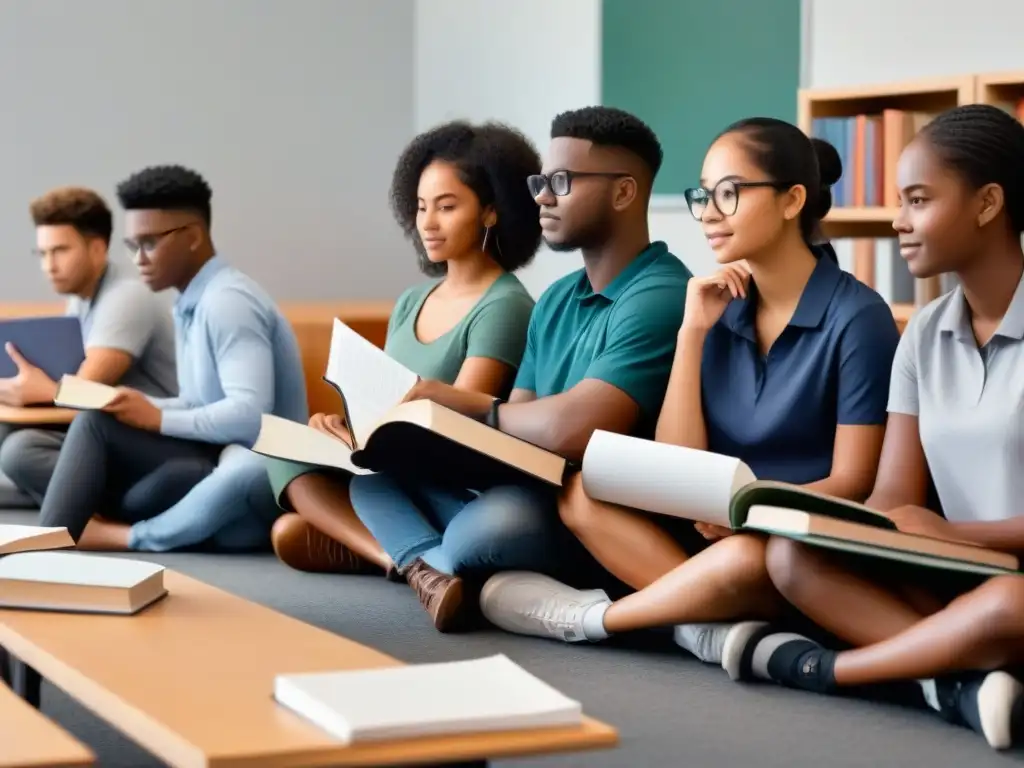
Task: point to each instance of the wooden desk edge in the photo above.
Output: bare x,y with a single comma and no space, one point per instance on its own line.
168,745
59,749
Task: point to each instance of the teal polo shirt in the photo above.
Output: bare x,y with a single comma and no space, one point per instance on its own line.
624,335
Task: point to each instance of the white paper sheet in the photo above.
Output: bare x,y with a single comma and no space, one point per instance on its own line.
667,479
371,381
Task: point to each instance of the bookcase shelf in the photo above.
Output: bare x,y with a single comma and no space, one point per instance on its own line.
864,224
1000,89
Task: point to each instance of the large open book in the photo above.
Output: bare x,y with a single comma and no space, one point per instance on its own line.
417,438
721,490
479,695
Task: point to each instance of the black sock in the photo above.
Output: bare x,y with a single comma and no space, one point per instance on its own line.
795,662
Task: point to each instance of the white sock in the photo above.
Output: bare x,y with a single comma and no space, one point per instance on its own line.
931,695
593,622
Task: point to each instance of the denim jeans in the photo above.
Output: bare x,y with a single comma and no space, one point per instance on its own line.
457,531
173,492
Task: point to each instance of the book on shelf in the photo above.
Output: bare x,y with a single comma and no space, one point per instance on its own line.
29,538
869,146
476,696
721,490
53,344
418,437
79,583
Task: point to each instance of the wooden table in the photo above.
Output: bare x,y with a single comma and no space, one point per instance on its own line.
41,416
191,680
30,740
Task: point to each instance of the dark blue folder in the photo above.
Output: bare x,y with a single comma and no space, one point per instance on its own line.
51,343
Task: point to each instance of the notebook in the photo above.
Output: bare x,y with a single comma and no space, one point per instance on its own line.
53,344
83,394
722,490
79,583
461,697
417,438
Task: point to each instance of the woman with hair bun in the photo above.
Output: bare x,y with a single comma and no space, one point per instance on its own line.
783,361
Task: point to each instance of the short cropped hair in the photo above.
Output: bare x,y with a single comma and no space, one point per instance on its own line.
494,161
77,207
168,188
611,127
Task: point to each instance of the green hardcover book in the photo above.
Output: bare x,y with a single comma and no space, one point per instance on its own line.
722,490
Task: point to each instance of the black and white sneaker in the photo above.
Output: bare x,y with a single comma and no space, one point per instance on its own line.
990,703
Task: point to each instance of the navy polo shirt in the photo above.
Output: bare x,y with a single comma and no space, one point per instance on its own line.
831,365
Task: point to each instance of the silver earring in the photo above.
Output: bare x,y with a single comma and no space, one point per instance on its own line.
487,234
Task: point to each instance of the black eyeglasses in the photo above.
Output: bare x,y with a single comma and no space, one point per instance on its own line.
725,194
560,182
148,243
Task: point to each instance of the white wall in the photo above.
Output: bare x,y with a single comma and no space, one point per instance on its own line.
473,62
293,111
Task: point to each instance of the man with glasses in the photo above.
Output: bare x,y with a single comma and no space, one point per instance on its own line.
598,355
126,329
155,469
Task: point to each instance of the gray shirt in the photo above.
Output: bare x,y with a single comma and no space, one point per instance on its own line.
968,402
124,314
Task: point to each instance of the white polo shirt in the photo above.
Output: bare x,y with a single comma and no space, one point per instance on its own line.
969,405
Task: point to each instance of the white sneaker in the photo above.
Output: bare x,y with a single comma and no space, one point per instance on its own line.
717,642
532,604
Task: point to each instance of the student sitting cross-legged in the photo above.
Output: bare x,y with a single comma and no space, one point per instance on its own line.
152,469
126,328
459,193
598,355
955,413
783,362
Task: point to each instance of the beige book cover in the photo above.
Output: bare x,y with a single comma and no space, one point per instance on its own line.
26,538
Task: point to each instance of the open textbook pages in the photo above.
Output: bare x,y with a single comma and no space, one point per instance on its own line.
480,695
369,381
722,490
25,538
82,394
419,439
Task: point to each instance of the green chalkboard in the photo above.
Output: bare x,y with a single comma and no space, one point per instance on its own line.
690,67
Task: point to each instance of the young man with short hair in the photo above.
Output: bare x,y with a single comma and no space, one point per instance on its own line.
598,355
127,330
155,468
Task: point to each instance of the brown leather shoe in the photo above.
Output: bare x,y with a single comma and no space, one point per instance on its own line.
305,548
439,593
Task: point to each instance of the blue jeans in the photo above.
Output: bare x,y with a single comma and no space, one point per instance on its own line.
231,509
457,531
173,492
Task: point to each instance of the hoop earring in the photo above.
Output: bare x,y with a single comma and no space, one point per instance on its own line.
487,234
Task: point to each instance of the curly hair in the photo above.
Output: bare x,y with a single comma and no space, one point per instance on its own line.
983,145
166,187
611,127
493,160
78,207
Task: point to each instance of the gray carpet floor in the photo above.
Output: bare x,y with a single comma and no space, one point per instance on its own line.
670,710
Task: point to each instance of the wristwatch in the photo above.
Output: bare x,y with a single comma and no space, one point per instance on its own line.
491,419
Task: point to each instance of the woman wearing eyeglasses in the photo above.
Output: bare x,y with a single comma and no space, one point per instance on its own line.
460,194
782,360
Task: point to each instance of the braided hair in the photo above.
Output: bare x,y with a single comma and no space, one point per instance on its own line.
984,145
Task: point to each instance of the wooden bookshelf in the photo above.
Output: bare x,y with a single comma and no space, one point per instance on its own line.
1001,89
863,224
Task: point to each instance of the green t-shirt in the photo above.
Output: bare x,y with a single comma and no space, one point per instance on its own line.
494,328
624,335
